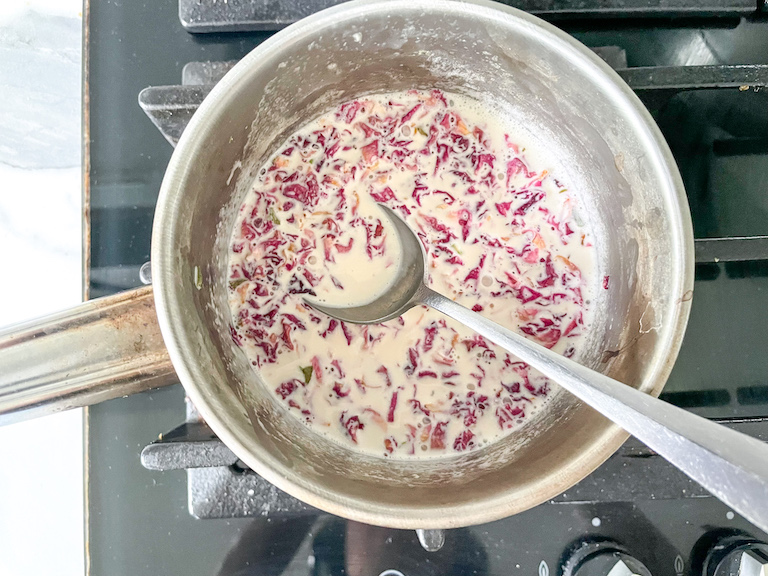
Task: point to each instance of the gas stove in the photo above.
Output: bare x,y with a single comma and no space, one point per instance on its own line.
702,70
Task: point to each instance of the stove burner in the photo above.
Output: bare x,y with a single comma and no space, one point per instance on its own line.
250,15
220,486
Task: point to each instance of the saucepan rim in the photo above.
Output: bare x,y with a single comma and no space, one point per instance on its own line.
169,303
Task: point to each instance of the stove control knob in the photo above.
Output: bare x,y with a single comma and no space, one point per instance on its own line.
613,564
753,563
603,558
747,559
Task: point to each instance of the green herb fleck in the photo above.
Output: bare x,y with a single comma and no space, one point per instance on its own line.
307,371
273,216
563,190
311,160
235,283
198,277
421,131
456,248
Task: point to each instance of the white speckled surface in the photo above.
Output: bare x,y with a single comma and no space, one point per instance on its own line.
41,479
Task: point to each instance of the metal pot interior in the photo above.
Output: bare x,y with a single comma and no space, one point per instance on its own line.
606,146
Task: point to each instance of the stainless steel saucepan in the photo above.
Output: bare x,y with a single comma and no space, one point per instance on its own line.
559,91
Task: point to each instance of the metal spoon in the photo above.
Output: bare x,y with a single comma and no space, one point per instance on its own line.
731,465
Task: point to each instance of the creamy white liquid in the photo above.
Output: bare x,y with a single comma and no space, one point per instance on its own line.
500,238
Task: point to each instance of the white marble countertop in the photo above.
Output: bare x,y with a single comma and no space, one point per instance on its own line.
41,479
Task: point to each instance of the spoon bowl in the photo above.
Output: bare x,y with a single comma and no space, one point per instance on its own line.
404,292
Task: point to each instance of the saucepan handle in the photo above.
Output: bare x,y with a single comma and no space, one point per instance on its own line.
103,349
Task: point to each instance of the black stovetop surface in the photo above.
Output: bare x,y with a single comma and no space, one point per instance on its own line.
137,519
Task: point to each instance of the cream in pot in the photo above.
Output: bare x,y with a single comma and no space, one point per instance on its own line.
503,237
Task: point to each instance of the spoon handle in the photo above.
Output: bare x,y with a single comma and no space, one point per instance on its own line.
731,465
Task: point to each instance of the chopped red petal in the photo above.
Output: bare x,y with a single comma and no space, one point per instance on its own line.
383,370
286,335
463,441
437,439
410,114
503,207
526,294
352,424
392,407
370,151
331,327
515,167
340,391
307,195
440,227
384,195
548,338
507,415
429,337
337,365
235,336
316,370
413,359
464,221
347,333
348,111
287,388
418,406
